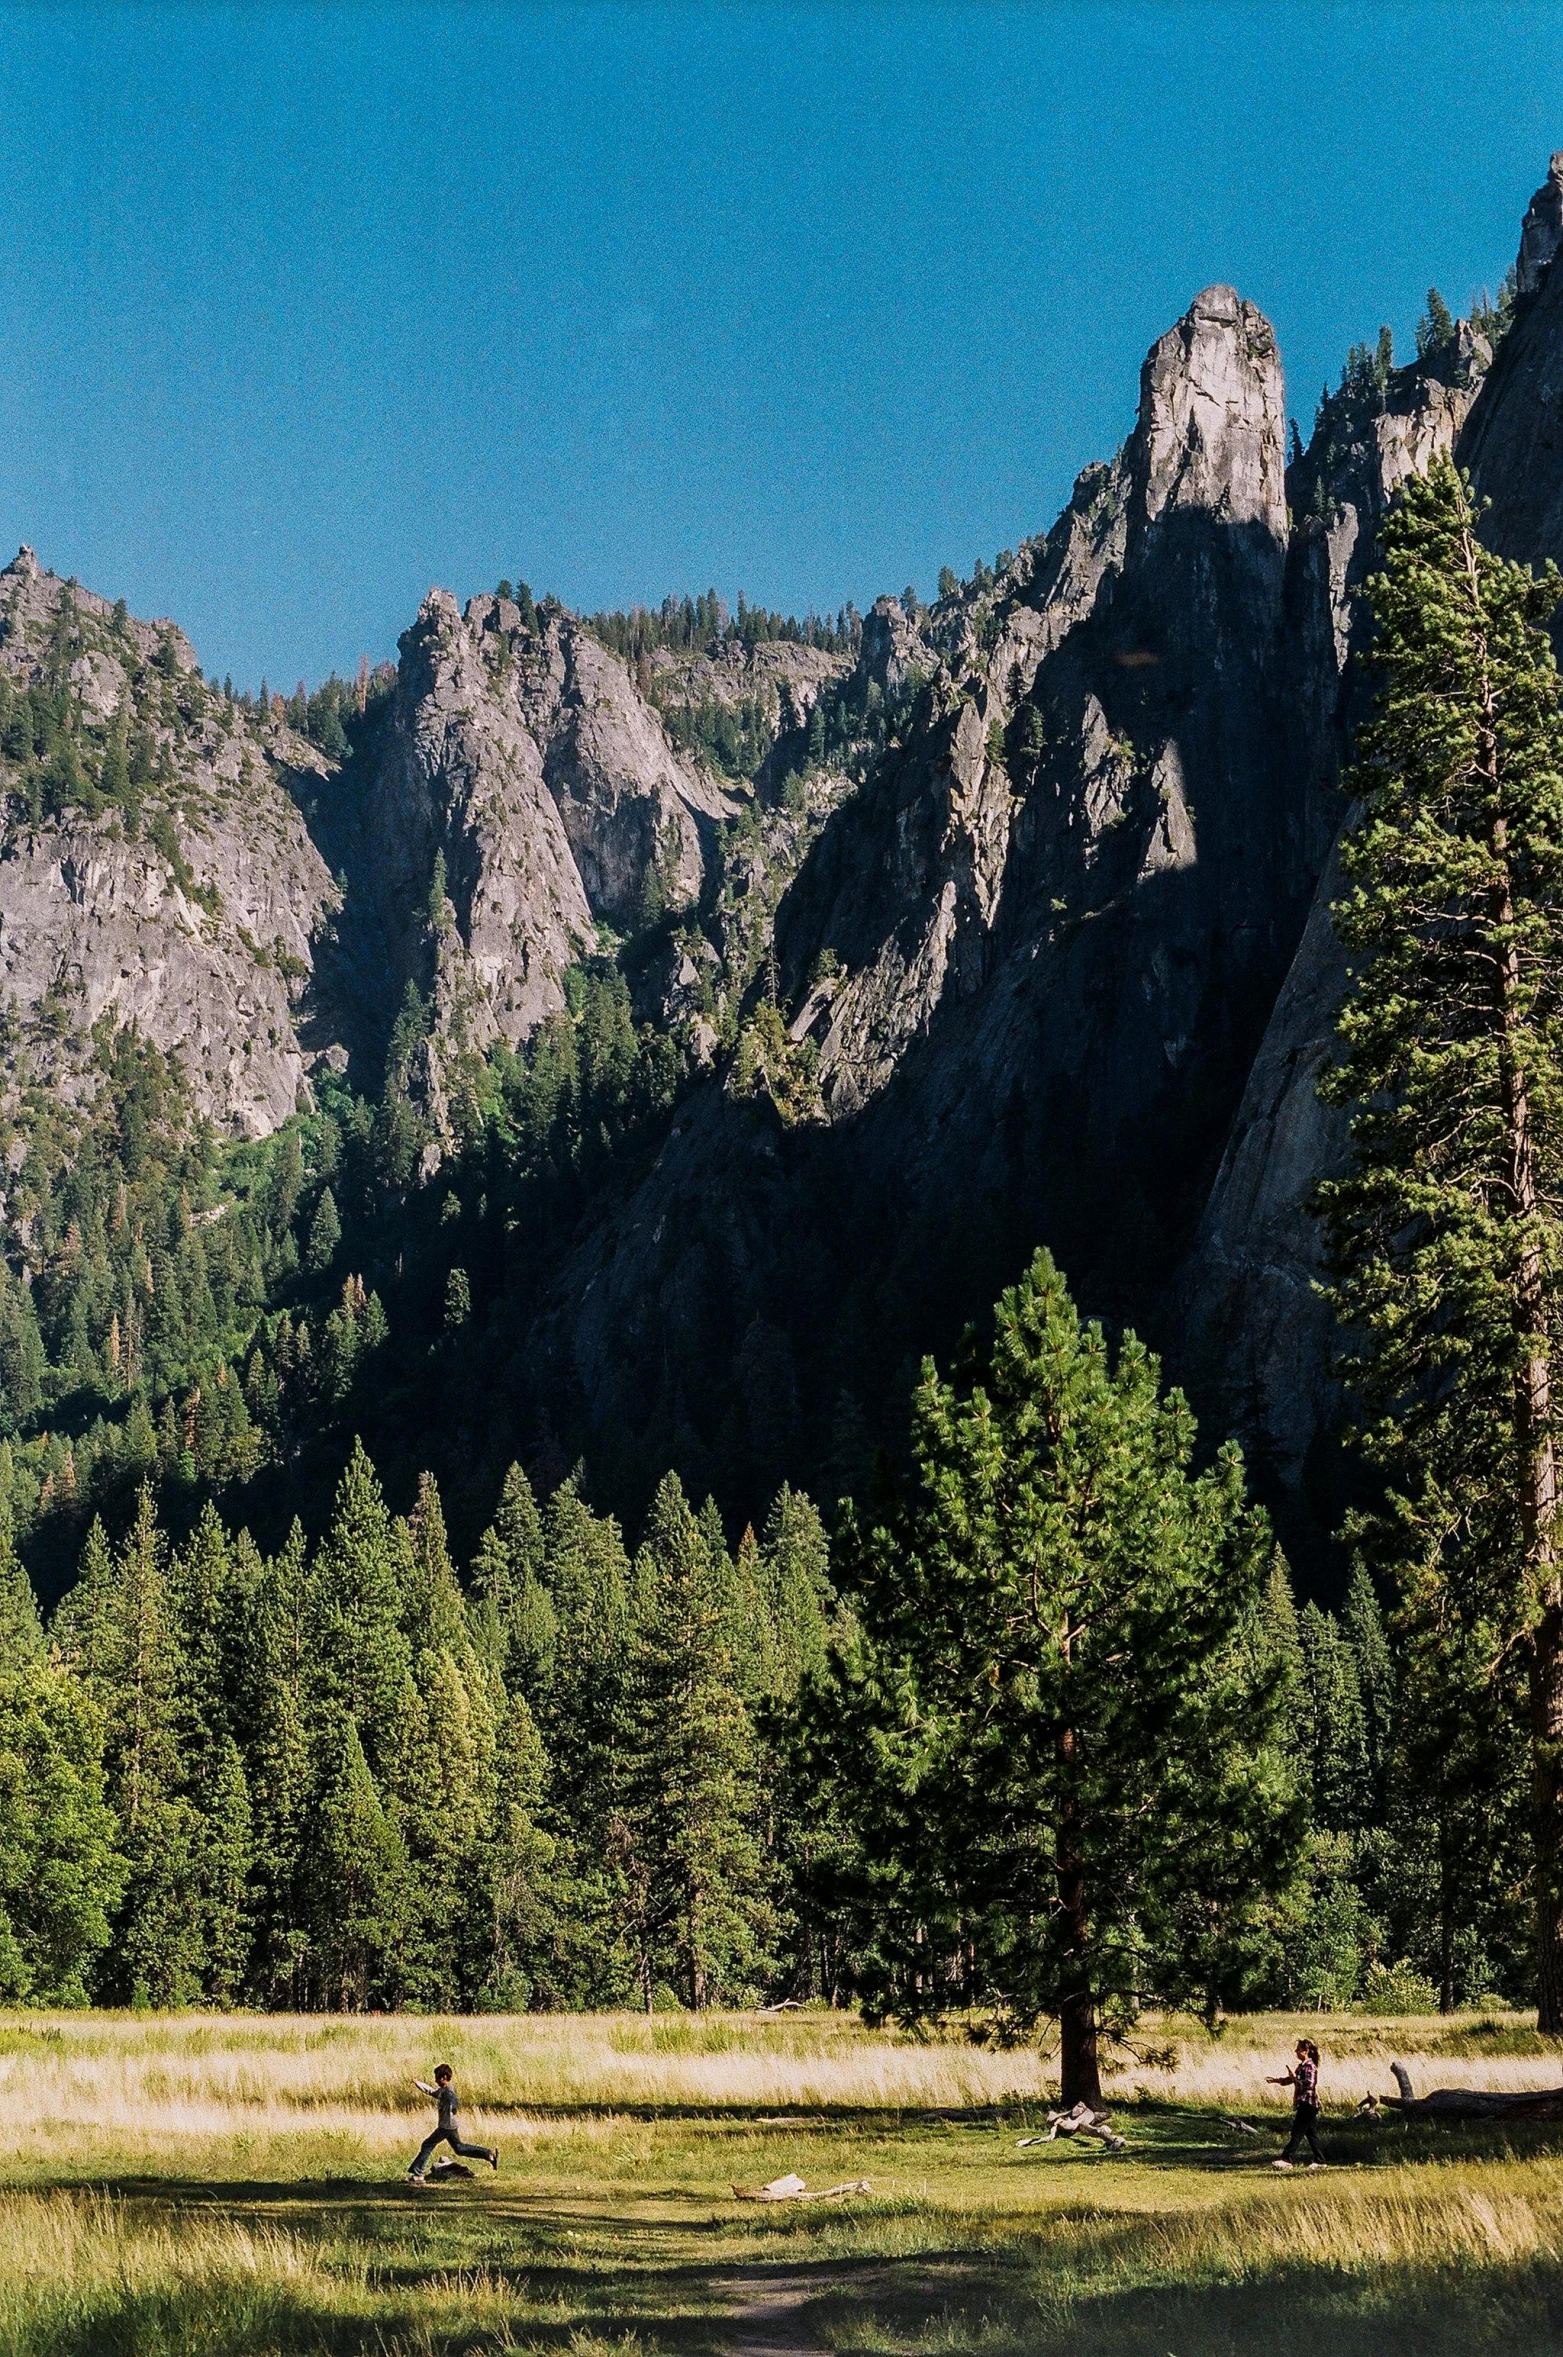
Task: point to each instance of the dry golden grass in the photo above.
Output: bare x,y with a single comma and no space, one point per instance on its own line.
1230,2071
172,2078
199,2075
94,2240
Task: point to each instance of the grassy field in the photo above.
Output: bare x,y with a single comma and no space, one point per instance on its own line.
200,2184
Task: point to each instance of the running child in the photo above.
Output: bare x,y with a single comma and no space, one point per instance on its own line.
444,2094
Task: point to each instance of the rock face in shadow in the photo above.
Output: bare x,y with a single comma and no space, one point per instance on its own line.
1513,444
1034,953
1257,1342
1066,958
1541,230
199,930
1251,1336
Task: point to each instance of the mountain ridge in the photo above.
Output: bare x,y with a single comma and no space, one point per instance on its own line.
1011,926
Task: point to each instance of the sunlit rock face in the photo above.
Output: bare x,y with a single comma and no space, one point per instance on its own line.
209,953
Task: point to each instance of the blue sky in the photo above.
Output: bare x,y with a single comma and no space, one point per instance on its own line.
305,308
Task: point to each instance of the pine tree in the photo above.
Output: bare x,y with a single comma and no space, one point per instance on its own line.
1445,1236
1078,1800
118,1629
357,1657
433,1615
795,1557
1455,1878
1280,1633
1436,327
587,1574
1338,1756
325,1234
21,1630
439,1788
1324,1927
700,1914
279,1773
359,1883
61,1871
23,1360
198,1583
286,1182
1362,1626
439,1777
226,1843
514,1618
583,1715
510,1907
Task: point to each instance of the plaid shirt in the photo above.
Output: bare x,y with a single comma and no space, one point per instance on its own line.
1305,2090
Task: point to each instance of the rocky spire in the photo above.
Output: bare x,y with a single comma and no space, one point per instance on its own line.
1212,426
1541,232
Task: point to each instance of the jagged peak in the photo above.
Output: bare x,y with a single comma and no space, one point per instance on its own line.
1219,302
1541,231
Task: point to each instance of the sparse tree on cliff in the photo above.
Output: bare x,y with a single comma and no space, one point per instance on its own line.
1445,1235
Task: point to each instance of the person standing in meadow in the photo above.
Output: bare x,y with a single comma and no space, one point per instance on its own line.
444,2094
1303,2080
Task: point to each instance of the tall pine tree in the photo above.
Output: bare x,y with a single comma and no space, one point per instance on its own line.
357,1653
701,1916
118,1630
1078,1800
1445,1235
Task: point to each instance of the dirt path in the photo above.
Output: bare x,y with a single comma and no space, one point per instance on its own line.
771,2311
768,2317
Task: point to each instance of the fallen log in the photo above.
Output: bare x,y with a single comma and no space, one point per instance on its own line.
1080,2120
793,2189
1465,2103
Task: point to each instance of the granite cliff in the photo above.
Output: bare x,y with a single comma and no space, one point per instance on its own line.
188,904
1028,960
519,755
1251,1333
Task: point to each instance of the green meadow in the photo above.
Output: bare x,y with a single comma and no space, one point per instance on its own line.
229,2186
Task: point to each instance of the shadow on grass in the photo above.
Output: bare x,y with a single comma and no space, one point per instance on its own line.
405,2271
867,2308
203,2324
1515,2309
1162,2137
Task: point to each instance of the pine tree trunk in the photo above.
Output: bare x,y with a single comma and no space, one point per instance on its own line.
1445,1908
1546,1721
1080,2078
1079,2072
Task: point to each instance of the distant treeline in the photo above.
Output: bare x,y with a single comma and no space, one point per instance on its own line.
690,624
